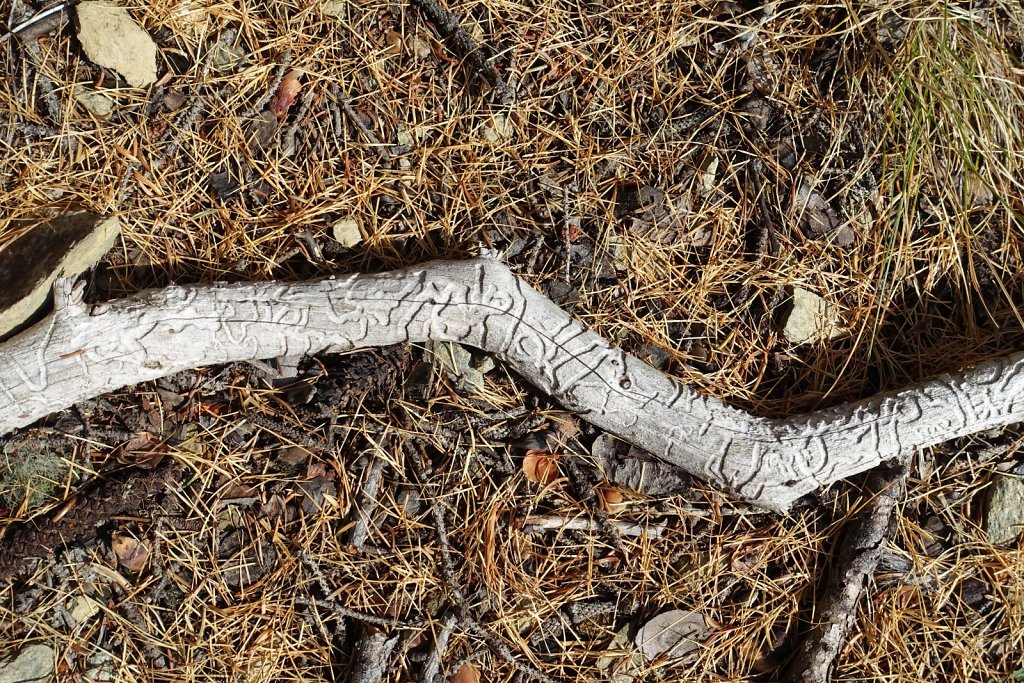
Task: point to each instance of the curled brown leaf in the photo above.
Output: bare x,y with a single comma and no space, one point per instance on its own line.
287,92
541,467
131,552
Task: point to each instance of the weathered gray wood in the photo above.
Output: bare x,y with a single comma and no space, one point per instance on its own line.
81,351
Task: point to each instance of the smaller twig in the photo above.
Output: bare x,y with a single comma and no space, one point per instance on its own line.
572,614
571,222
450,441
275,82
367,502
479,58
331,604
287,432
588,495
860,549
334,106
371,139
33,20
431,672
371,660
288,146
541,523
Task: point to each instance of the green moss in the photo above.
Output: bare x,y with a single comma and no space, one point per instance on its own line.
29,472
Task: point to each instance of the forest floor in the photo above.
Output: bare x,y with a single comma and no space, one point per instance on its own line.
679,175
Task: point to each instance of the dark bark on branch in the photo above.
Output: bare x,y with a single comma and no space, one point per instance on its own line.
860,548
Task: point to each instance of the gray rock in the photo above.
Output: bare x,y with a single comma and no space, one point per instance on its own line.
96,103
347,232
672,634
1004,510
34,663
65,246
812,319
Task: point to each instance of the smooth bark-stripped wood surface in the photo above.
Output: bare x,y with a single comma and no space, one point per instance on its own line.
83,350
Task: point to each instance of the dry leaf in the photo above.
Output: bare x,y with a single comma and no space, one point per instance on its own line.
813,213
611,497
621,665
315,469
467,673
394,41
293,456
747,558
274,508
568,428
131,553
260,131
142,450
287,92
540,467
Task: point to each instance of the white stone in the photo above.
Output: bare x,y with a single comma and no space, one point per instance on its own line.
498,129
1004,510
812,319
334,8
96,103
83,608
421,48
347,232
672,634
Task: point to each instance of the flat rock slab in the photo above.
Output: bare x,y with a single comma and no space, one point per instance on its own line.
112,39
34,663
65,246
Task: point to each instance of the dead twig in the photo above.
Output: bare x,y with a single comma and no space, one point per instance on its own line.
431,672
372,655
541,523
367,501
478,57
860,548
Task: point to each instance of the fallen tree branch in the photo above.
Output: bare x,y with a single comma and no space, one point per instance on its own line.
81,351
